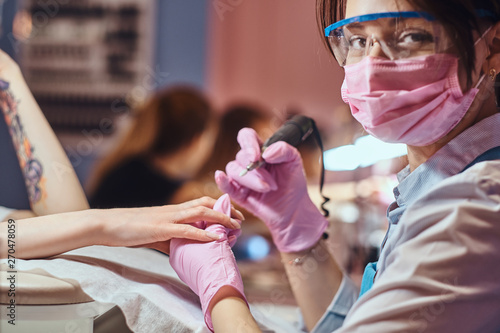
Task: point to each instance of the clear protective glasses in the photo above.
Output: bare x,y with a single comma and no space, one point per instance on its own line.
399,35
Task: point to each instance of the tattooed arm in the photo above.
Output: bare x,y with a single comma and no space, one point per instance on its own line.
50,179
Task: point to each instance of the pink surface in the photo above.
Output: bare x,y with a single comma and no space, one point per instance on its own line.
272,52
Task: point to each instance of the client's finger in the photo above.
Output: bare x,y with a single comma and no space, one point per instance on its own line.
209,215
232,240
187,231
209,203
203,201
232,236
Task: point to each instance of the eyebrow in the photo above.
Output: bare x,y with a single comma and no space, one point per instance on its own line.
361,25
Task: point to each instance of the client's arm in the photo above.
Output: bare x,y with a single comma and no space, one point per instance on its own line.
153,227
50,179
19,215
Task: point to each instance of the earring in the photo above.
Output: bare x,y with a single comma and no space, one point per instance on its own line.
493,74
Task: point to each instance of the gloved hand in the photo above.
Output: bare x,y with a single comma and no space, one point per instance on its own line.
275,192
207,267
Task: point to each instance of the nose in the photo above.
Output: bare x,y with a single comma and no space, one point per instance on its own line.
375,49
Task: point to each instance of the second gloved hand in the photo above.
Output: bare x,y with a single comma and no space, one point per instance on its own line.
275,192
207,267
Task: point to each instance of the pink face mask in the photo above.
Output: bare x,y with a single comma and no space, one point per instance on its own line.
415,101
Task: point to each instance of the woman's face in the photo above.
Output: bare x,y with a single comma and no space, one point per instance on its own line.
363,7
386,37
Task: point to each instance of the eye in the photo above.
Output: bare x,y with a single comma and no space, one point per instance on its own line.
414,39
357,43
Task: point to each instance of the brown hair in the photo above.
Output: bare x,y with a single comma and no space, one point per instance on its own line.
459,17
168,121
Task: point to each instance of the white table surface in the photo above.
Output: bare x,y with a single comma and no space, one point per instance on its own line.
145,287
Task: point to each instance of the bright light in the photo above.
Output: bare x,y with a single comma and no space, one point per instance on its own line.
257,247
365,151
348,212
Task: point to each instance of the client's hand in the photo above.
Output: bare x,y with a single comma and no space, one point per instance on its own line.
208,267
153,227
275,192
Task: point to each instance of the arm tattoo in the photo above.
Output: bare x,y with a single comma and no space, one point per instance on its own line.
32,169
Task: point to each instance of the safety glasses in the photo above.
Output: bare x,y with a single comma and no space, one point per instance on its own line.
398,35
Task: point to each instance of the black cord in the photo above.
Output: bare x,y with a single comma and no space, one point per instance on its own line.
497,90
317,136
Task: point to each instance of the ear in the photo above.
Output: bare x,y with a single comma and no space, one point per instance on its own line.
493,60
492,63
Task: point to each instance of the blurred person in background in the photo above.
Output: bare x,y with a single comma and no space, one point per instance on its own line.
170,138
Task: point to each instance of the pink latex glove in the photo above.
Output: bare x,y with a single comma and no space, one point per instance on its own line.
275,192
207,267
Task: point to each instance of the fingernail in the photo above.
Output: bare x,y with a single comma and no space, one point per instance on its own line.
236,224
242,217
212,235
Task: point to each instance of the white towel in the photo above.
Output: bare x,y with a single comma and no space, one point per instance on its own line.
147,290
140,281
